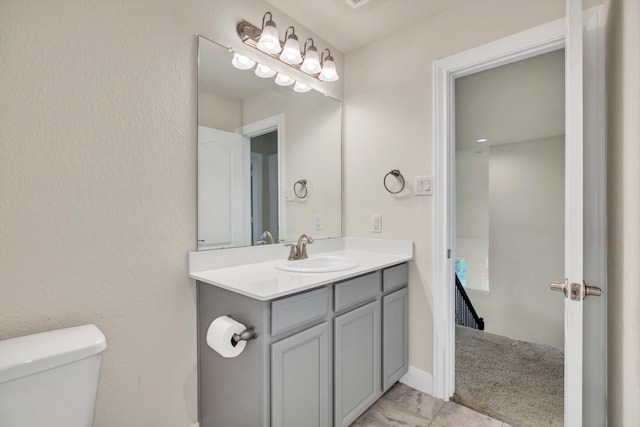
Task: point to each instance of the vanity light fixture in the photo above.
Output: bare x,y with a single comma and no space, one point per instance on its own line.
291,50
311,63
264,72
301,87
284,80
241,62
267,40
481,140
328,73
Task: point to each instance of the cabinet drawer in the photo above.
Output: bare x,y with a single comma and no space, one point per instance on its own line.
299,310
395,277
354,291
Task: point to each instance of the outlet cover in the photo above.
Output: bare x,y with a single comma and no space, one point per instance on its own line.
376,223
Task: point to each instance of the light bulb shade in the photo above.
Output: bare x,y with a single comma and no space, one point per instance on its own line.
329,72
291,51
284,80
269,39
301,87
311,63
241,62
264,71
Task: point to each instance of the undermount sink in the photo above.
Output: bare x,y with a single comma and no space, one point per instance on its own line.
319,264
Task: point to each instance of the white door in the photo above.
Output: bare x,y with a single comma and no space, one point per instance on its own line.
582,243
223,180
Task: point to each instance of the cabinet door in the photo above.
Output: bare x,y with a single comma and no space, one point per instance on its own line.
357,362
395,337
300,379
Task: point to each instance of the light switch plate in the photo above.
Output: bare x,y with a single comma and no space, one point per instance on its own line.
423,186
317,222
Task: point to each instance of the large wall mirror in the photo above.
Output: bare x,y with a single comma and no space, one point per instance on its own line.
269,158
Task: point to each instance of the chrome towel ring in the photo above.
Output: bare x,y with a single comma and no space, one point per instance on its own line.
300,188
398,175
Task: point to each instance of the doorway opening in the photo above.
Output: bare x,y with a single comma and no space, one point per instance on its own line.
264,188
509,239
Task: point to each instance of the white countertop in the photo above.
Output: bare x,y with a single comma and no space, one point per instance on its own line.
251,271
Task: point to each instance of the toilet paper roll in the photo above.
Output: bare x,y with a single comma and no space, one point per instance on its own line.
220,333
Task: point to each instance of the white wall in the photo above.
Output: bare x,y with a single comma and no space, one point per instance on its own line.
98,185
623,189
218,112
388,99
513,188
472,215
526,241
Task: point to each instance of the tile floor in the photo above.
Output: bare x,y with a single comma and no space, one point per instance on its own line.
403,406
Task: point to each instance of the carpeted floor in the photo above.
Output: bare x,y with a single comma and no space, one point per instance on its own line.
514,381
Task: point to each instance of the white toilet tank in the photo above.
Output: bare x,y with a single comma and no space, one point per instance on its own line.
50,379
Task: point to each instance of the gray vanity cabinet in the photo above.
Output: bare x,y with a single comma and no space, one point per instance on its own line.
300,379
320,359
357,362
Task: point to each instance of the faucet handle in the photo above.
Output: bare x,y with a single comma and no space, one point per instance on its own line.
293,252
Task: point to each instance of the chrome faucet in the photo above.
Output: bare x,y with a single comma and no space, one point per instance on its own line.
265,238
299,251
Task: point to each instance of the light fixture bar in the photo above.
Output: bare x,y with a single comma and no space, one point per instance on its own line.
250,35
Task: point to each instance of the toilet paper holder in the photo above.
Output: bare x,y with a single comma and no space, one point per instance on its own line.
246,335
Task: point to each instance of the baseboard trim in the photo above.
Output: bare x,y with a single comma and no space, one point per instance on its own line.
418,379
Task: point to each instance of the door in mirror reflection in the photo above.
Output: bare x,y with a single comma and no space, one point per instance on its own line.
264,188
222,183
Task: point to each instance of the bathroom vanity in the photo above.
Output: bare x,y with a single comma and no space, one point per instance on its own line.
328,345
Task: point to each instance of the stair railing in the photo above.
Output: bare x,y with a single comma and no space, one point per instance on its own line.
465,312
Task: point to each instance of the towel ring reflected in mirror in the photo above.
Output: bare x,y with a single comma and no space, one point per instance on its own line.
300,188
398,175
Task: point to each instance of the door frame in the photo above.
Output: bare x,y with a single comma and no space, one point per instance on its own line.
256,197
536,41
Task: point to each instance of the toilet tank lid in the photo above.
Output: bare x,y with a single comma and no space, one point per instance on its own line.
26,355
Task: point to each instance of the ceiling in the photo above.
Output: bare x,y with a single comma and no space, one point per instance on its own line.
349,28
517,102
522,101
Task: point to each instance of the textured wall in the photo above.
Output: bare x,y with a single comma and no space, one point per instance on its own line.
623,187
98,186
